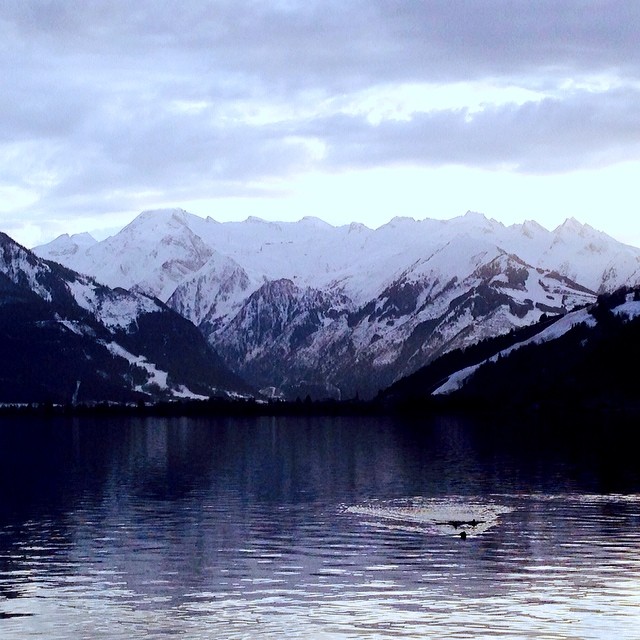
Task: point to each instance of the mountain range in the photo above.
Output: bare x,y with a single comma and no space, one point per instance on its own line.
65,338
307,308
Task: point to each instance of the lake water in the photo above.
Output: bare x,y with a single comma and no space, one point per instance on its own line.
313,528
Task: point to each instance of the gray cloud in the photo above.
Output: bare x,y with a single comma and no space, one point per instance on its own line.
584,129
105,99
328,45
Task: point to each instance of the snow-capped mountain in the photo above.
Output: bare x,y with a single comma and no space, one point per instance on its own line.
309,307
583,359
65,246
153,254
64,337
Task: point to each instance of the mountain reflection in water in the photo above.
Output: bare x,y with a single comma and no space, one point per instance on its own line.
313,528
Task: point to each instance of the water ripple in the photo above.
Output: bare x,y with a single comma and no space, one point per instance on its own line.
349,530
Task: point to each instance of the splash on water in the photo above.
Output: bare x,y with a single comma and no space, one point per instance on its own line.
449,516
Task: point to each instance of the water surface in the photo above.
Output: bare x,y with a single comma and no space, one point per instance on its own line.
312,528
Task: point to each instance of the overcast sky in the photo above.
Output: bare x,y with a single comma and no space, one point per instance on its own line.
348,110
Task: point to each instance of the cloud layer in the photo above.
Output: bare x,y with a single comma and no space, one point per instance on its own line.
109,105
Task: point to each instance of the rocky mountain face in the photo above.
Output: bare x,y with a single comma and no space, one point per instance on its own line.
308,308
66,338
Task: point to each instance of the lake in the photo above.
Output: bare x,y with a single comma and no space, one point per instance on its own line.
314,528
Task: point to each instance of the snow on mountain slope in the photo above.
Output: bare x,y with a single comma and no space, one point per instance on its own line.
119,309
629,309
304,337
555,331
152,254
288,334
350,307
65,246
577,362
23,269
500,294
176,244
580,253
117,343
113,309
160,250
214,292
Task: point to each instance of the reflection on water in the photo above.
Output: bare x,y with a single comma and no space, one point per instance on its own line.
312,528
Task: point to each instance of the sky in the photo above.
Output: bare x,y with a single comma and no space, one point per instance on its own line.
349,110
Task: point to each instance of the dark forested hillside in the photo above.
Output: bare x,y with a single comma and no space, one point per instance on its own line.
593,365
423,382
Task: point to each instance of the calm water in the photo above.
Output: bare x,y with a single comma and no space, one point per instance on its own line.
312,528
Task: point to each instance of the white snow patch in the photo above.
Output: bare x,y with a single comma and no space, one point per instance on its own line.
16,264
553,332
630,309
457,379
84,294
156,376
115,310
183,392
121,311
74,327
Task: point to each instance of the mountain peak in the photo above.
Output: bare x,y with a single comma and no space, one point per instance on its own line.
398,221
66,245
83,237
532,224
474,215
314,221
164,213
357,227
530,228
8,241
159,218
572,225
476,220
